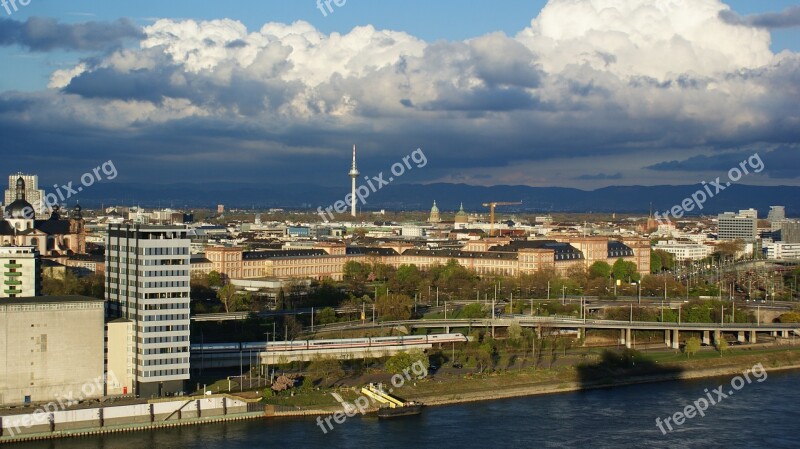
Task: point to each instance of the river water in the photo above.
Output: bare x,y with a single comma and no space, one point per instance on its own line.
760,414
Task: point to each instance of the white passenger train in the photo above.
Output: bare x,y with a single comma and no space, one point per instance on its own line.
299,345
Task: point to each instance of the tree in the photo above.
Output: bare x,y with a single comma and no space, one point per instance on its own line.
729,249
325,369
625,271
214,279
403,361
280,300
473,311
283,383
600,269
292,326
692,346
514,333
355,275
655,263
722,345
326,316
406,279
227,296
395,307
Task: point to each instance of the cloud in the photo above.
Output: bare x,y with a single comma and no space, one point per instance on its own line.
43,34
779,162
589,84
788,18
599,177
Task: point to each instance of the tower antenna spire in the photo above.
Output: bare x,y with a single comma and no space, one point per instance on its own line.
354,173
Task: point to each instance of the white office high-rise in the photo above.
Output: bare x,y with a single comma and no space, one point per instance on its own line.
147,281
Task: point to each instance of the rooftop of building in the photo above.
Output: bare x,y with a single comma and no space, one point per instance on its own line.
49,300
453,253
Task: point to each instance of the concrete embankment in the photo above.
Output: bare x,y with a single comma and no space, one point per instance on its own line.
46,424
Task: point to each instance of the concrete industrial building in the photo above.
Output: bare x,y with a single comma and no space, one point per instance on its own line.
147,282
790,232
51,346
21,271
741,226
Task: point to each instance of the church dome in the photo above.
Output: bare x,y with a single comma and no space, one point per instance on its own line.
21,210
434,218
461,216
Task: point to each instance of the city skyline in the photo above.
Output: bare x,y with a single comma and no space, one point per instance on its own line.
277,94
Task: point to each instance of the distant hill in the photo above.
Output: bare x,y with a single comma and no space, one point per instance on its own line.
622,199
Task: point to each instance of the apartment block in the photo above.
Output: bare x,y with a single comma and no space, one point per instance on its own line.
21,271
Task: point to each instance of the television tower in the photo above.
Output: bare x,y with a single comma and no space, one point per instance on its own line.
353,175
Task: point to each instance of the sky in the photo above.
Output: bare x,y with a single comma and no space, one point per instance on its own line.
568,93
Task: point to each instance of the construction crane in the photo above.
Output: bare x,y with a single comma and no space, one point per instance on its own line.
491,207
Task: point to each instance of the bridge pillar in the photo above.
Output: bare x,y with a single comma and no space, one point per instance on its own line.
622,336
706,337
676,339
741,337
717,336
582,335
753,337
628,338
773,333
667,338
785,334
447,329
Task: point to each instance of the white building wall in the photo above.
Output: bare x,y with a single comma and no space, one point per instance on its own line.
50,347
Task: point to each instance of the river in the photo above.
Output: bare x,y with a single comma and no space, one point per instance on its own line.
760,414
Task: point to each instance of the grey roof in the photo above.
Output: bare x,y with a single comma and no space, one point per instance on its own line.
253,255
49,299
362,250
563,251
453,253
618,249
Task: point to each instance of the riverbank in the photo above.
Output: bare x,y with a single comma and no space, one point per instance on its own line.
447,390
659,367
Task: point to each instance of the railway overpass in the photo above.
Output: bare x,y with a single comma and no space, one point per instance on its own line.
744,332
229,355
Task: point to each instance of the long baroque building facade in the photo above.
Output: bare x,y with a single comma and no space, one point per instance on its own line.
485,257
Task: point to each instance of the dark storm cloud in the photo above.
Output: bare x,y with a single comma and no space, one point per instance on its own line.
788,18
599,177
780,163
167,81
45,34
